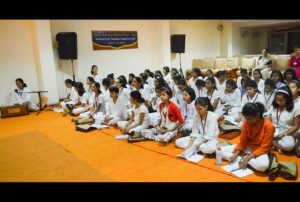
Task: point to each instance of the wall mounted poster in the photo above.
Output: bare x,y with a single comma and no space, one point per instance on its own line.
114,40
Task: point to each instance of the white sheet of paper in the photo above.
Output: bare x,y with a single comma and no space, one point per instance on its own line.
188,153
99,127
242,173
58,109
195,158
231,167
121,137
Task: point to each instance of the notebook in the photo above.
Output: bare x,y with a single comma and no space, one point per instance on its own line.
190,154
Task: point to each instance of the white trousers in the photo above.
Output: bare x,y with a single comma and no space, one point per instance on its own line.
260,163
287,143
154,118
122,125
152,134
208,147
188,125
85,115
79,110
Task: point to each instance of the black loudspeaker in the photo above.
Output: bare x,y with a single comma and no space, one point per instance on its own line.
67,45
178,43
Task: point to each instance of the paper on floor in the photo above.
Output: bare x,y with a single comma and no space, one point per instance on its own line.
195,158
121,137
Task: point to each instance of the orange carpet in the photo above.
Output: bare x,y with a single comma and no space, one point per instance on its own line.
121,161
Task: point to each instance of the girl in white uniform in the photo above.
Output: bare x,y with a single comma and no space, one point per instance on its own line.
208,73
89,82
196,74
82,102
21,96
171,119
189,109
278,78
168,77
105,90
285,117
289,75
96,108
205,131
72,94
231,99
95,75
244,74
201,90
116,109
181,85
269,93
257,77
213,95
139,119
124,92
130,78
252,96
221,81
138,85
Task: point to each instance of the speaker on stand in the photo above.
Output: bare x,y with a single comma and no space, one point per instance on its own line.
67,47
178,46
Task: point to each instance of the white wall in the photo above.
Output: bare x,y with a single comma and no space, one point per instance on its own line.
202,40
116,61
16,57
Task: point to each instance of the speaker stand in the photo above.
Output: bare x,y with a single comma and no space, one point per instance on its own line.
180,69
73,71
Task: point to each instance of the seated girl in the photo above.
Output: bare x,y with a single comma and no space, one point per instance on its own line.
253,95
213,95
96,107
243,85
205,130
124,92
285,118
277,78
189,110
257,77
221,80
21,96
72,94
255,140
139,119
181,85
289,75
244,74
269,93
82,103
89,82
171,119
201,90
196,74
231,99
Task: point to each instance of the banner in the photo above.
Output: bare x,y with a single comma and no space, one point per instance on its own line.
114,40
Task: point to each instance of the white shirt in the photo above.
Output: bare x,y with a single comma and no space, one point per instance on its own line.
260,85
125,93
201,93
145,92
207,129
21,97
256,98
269,97
238,82
89,92
188,111
280,84
262,61
192,82
98,79
73,93
117,109
232,99
285,119
215,95
83,99
179,99
100,100
137,112
168,79
165,121
221,87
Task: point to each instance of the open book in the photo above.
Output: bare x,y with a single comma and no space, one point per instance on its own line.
235,169
190,154
87,127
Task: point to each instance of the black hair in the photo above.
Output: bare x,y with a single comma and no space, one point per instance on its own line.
91,79
144,77
124,78
213,81
111,76
191,92
158,72
253,109
181,82
80,88
243,71
161,81
287,94
69,81
259,72
167,90
297,83
292,71
151,74
265,50
114,89
177,77
139,81
231,83
252,84
92,68
197,71
276,71
174,70
204,101
130,75
209,70
271,83
136,95
147,71
200,83
245,79
106,82
97,86
166,68
221,73
122,81
21,81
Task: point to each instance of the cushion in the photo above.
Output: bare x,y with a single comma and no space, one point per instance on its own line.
248,63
